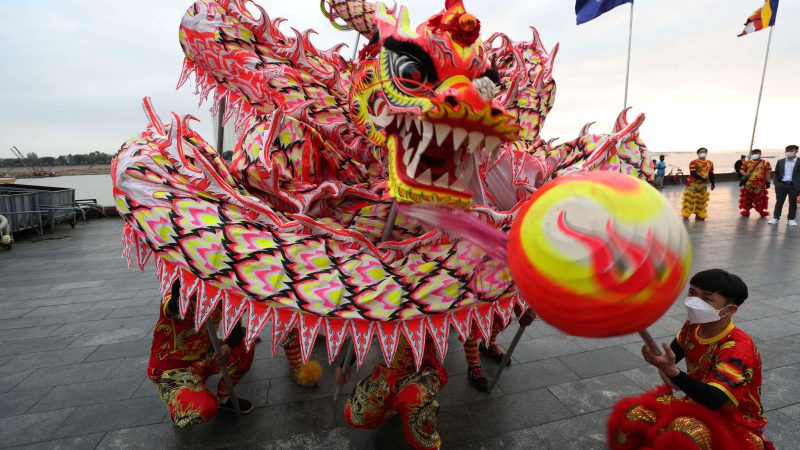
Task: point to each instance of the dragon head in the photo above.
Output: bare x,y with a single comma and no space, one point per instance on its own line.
426,96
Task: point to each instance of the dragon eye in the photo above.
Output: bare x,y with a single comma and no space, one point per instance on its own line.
408,71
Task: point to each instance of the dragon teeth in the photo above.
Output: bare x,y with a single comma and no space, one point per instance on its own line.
411,168
475,140
409,122
442,131
492,142
443,181
425,177
383,120
459,135
407,152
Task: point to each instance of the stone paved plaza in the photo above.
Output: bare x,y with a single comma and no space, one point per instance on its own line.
76,324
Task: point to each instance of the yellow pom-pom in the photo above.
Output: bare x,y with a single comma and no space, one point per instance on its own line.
306,375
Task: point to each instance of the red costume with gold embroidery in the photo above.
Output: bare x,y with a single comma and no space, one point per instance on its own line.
695,196
754,194
659,420
181,361
404,390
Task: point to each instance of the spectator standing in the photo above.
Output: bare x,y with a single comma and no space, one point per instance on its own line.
787,184
661,171
737,166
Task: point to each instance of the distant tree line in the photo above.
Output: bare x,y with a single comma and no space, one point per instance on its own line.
35,160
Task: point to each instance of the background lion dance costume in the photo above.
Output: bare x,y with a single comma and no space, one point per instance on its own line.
289,233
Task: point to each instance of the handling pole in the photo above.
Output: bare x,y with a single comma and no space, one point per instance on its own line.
224,366
388,227
761,89
507,357
220,126
628,68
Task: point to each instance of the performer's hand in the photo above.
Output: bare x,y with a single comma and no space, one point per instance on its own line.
667,381
527,317
224,352
665,361
342,377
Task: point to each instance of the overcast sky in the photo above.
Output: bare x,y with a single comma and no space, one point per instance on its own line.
73,72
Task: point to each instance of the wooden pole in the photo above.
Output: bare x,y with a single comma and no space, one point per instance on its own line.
224,366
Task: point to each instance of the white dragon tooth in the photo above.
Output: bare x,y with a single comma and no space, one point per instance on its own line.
475,139
417,125
459,135
462,182
383,120
400,119
411,168
425,177
409,121
443,181
427,135
427,129
407,151
492,142
442,131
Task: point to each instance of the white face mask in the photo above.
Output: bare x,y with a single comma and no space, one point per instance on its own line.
755,157
700,311
702,155
791,154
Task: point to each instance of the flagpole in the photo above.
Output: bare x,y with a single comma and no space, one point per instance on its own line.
761,89
628,68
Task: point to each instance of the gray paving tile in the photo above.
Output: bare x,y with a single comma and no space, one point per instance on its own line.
8,380
133,311
134,366
77,285
48,359
781,387
283,390
14,313
85,442
19,401
76,317
112,416
27,333
110,337
59,309
545,347
646,377
36,345
778,353
792,411
585,432
88,393
769,328
120,350
534,375
32,427
789,303
501,415
515,440
594,394
458,391
602,361
163,435
781,289
122,303
20,322
50,377
782,430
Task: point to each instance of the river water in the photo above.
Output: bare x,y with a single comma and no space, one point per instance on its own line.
99,186
86,186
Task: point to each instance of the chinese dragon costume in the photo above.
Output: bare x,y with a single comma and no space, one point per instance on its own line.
290,232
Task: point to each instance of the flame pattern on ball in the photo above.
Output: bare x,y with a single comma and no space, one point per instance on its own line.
599,254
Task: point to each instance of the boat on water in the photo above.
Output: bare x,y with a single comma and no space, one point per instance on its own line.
7,180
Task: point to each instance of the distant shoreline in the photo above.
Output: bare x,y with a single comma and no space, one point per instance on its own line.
95,169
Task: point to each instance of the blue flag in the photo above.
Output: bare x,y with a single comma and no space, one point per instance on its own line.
587,10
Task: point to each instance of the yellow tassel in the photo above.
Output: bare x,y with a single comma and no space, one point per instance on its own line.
308,374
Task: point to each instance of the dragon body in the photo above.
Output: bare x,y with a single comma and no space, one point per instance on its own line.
291,231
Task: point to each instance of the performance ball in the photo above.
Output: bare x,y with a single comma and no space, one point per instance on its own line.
599,254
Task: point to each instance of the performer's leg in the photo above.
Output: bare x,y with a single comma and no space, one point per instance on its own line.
701,209
419,410
492,349
745,201
761,202
366,406
475,374
687,203
304,375
239,363
184,393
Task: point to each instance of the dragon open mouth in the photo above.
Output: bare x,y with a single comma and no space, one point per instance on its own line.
434,157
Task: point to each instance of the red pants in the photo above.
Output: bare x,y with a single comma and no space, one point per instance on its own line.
758,200
382,395
183,390
659,421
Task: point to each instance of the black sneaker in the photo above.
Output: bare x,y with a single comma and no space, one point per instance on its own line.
476,378
493,352
244,405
